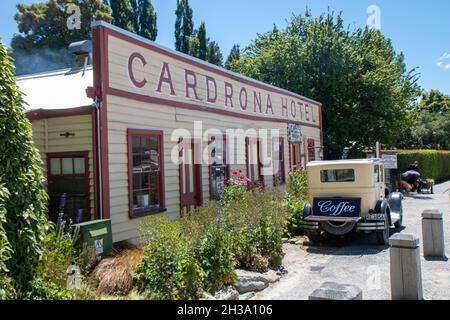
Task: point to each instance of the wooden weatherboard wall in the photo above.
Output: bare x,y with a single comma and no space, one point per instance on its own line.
147,87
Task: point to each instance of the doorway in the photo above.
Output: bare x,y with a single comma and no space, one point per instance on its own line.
190,171
68,186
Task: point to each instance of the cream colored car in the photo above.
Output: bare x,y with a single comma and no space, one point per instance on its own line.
347,195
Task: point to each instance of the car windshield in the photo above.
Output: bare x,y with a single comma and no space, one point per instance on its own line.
337,175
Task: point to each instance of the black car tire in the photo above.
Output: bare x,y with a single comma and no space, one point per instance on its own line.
338,228
383,236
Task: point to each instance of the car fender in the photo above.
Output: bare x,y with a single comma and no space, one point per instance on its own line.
381,207
307,210
395,202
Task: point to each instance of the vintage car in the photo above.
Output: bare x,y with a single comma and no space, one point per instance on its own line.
347,195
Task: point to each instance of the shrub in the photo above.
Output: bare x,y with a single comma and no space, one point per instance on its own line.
433,164
195,223
168,269
115,275
296,197
216,258
256,225
6,287
59,253
21,170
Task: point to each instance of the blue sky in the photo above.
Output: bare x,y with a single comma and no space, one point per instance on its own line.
420,29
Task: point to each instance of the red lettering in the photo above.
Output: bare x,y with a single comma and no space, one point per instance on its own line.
284,107
228,94
163,78
307,107
208,97
301,108
269,104
293,109
257,101
193,85
243,106
136,83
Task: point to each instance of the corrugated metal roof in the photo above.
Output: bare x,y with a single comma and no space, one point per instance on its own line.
61,89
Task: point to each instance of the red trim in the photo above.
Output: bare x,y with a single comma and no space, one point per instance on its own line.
101,80
74,154
39,114
95,163
203,66
191,197
161,191
144,98
191,106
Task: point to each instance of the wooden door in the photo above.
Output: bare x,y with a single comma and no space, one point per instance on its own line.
68,186
190,171
253,159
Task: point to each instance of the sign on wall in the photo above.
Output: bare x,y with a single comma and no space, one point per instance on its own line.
389,160
152,75
294,133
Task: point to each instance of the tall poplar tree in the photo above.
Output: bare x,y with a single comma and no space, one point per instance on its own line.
184,26
234,55
202,42
144,19
122,13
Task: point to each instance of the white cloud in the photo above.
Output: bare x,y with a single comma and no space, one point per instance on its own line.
444,61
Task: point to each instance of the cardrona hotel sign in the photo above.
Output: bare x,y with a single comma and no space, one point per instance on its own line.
152,74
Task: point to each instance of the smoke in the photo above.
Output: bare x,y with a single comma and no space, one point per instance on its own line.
41,60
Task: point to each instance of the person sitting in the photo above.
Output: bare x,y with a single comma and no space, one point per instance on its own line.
414,167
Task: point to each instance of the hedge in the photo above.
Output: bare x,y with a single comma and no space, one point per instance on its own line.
433,164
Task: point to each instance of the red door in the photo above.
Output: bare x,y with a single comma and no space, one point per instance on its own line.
190,170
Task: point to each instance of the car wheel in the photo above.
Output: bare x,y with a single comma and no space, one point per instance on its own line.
383,236
314,236
399,223
431,190
338,228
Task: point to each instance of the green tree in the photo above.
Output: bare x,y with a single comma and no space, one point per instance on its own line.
144,19
184,26
234,55
44,35
434,101
122,14
44,25
429,123
214,54
21,174
362,83
202,42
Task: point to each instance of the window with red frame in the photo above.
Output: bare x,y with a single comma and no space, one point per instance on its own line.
146,173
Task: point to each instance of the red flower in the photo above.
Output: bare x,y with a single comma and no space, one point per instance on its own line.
240,171
235,172
241,178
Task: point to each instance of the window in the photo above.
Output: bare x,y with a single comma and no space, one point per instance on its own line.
337,175
145,172
219,168
68,174
311,150
378,175
278,161
253,162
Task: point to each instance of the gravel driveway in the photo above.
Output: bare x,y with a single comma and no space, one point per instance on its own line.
357,259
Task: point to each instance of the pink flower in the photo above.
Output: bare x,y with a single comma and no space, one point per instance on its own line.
247,179
243,183
228,181
302,168
236,181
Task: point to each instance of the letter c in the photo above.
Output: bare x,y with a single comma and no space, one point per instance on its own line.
136,83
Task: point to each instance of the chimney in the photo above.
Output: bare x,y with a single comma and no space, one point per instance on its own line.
83,53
